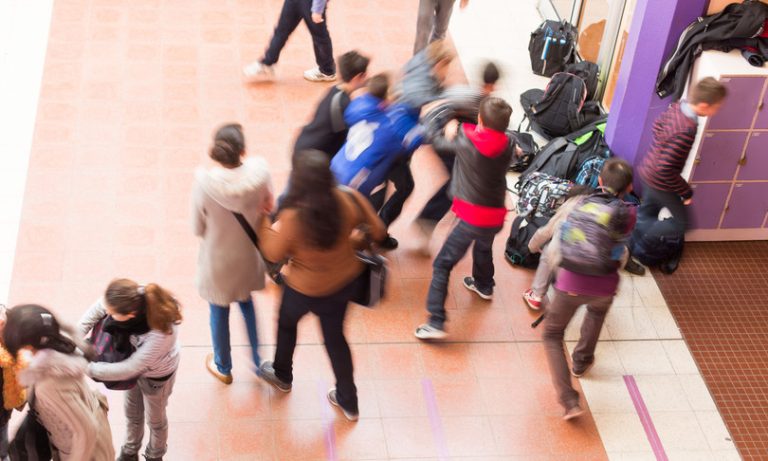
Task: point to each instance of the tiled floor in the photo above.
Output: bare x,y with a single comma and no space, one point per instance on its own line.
130,95
719,296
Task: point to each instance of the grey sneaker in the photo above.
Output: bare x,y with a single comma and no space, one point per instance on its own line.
350,415
314,75
427,331
267,373
579,371
257,70
573,412
469,284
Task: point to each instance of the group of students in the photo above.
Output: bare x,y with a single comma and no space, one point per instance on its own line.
45,365
360,139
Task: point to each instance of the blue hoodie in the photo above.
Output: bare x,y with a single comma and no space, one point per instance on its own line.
378,135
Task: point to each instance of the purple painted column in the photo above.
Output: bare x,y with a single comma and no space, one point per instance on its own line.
656,27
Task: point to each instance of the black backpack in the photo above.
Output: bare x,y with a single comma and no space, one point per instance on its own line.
552,47
516,251
589,72
654,242
560,109
529,150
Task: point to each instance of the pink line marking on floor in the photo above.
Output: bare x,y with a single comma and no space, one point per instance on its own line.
434,419
645,418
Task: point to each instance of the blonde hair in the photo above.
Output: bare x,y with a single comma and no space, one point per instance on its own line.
126,297
439,51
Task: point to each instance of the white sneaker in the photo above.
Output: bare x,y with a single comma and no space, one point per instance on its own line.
314,75
256,70
427,331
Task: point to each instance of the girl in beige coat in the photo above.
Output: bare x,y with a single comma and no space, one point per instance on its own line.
229,267
74,415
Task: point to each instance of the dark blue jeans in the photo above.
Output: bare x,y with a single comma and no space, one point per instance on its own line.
331,310
222,351
440,203
454,248
401,177
293,12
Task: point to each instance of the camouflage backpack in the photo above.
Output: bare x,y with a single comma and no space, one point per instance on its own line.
540,195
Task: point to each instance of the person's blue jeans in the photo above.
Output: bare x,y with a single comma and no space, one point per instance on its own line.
222,350
454,248
293,12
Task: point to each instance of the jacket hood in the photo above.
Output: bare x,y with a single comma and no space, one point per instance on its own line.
236,189
48,363
488,142
363,107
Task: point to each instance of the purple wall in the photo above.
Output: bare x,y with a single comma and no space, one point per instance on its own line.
656,27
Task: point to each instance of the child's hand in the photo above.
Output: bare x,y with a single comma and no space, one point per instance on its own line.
463,4
688,201
317,18
451,129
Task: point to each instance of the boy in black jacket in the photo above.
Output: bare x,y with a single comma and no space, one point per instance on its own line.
483,153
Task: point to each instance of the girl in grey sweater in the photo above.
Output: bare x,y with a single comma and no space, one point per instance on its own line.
150,315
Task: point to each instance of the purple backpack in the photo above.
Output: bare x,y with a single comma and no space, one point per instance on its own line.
112,349
594,235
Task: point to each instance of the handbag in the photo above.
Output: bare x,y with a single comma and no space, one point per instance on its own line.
112,348
374,276
273,268
31,442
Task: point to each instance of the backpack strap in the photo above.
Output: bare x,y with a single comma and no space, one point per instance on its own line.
337,115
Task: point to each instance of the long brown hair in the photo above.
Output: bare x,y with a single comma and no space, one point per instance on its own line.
127,297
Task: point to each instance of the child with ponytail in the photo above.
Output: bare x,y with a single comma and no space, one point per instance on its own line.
150,315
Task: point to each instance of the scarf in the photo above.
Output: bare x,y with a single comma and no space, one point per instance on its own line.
122,331
14,394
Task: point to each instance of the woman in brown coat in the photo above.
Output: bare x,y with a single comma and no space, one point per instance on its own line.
228,266
315,230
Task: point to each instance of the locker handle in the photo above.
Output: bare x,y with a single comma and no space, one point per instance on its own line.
760,106
743,160
727,207
697,160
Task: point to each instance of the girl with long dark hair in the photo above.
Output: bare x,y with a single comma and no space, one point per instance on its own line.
315,231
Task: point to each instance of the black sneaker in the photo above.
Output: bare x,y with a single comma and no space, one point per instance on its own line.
634,267
126,457
389,243
350,415
267,373
469,284
669,266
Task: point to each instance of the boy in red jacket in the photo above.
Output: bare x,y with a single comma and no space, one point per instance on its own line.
479,188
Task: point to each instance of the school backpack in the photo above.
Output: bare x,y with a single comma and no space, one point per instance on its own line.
552,46
528,147
589,72
593,235
112,347
560,109
592,152
656,241
540,195
516,251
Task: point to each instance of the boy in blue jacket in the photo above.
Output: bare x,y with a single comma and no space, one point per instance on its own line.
380,133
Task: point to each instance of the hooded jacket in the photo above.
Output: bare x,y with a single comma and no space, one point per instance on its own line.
479,184
378,136
74,415
419,86
229,267
737,21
